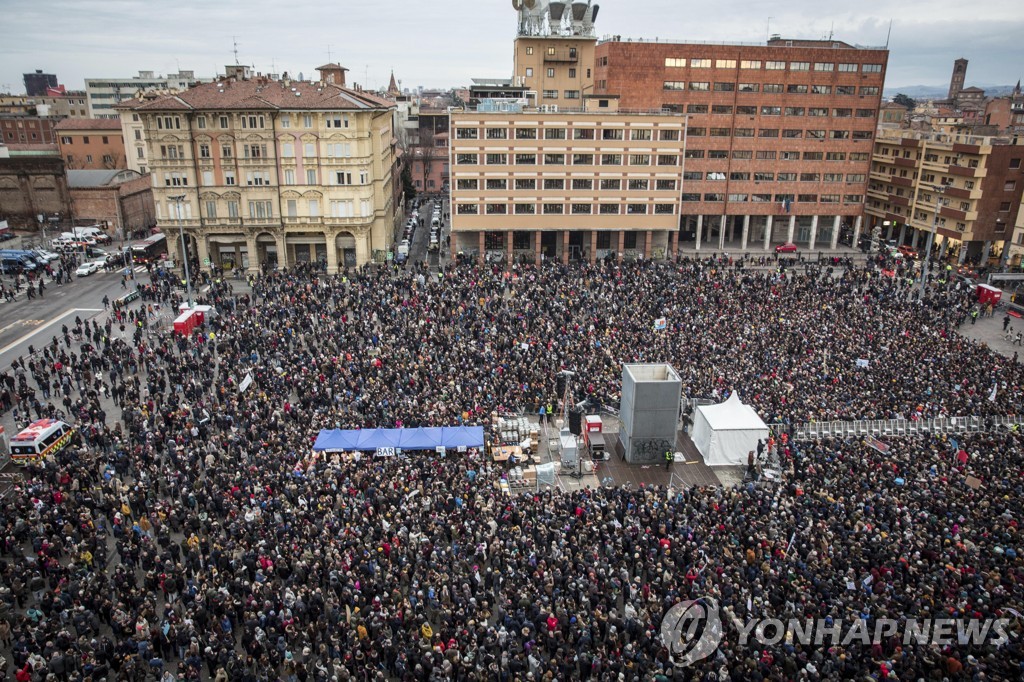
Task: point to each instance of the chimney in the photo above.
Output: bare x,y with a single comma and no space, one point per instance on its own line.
332,73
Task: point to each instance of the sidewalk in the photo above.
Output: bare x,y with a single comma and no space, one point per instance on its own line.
989,331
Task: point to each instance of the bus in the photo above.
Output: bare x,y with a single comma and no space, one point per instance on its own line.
151,249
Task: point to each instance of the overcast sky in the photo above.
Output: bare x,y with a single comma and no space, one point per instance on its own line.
440,44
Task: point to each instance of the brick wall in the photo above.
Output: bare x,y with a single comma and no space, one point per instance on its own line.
92,150
100,204
1001,187
137,209
30,186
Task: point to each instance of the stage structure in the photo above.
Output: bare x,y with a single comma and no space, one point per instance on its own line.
726,433
649,412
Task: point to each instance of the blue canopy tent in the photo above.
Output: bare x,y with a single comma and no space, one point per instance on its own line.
426,438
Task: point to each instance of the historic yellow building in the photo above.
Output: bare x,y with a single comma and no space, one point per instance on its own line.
273,171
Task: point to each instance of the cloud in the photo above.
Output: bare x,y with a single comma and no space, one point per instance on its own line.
445,44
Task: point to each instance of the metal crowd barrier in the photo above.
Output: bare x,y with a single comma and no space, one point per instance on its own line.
898,427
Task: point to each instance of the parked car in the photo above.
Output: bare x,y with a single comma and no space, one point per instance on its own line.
970,273
48,256
87,268
788,247
908,252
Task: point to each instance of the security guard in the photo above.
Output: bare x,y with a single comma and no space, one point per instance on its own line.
668,459
551,411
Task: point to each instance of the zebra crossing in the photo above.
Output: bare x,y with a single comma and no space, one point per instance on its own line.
120,271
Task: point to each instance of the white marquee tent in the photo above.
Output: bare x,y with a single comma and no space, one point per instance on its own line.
725,433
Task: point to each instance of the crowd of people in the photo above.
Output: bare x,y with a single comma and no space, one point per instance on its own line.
193,534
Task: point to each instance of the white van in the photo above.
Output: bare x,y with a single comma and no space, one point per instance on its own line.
72,237
92,233
41,439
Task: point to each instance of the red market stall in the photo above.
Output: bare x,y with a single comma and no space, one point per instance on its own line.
186,323
988,294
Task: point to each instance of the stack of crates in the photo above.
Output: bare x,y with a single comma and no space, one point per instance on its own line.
513,431
516,479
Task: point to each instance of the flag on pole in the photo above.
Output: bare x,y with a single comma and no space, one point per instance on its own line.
792,538
992,395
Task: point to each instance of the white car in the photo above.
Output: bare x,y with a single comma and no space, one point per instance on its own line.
48,256
86,269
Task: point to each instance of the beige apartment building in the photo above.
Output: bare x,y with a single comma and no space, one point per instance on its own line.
529,184
557,71
272,171
554,52
967,188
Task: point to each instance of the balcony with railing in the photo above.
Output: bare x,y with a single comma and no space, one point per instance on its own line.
962,171
562,56
236,223
352,221
251,161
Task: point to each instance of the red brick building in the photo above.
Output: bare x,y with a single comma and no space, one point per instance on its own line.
30,186
119,200
28,129
429,165
779,136
91,143
428,153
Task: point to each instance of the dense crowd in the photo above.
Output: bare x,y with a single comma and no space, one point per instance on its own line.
195,535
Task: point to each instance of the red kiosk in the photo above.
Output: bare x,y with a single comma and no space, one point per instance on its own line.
989,294
593,436
187,322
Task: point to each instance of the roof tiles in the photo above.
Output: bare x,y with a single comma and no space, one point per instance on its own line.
88,124
263,94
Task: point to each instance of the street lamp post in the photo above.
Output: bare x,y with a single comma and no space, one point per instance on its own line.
931,236
177,199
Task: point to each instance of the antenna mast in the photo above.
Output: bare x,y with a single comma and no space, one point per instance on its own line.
235,41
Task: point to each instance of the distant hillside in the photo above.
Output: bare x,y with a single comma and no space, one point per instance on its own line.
924,92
